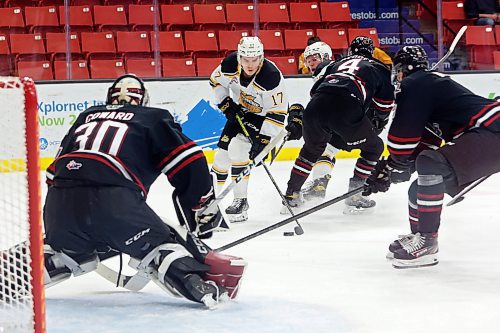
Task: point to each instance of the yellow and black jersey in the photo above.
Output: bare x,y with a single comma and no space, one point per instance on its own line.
263,94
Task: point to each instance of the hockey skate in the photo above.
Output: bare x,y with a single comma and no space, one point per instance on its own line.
294,200
237,212
316,190
420,251
358,204
398,244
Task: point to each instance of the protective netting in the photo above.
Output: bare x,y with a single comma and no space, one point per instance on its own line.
16,300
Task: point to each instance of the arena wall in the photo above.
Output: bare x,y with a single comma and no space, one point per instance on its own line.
189,101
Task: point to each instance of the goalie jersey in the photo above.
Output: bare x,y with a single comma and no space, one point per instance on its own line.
130,146
263,95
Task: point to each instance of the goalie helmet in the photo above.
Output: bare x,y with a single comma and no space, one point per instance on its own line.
128,89
250,47
362,46
321,48
410,59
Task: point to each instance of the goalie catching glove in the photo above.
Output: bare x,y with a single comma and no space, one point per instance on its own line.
199,220
294,127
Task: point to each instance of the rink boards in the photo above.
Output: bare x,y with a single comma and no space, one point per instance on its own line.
189,101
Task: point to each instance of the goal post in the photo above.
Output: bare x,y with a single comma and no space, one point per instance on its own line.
22,304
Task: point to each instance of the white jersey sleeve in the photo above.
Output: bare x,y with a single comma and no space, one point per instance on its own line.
220,85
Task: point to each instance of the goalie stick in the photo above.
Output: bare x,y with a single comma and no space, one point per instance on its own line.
140,279
136,282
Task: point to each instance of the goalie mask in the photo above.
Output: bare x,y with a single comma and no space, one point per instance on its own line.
128,90
410,59
362,46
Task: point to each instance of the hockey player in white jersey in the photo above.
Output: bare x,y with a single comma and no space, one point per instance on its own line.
248,86
314,55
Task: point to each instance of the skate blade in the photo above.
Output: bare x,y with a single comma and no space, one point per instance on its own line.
354,210
389,256
235,218
425,261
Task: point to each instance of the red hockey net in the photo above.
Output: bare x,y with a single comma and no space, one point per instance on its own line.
21,245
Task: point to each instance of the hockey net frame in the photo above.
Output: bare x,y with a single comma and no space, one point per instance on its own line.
21,264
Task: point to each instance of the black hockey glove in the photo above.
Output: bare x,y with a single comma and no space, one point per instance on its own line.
230,109
379,124
294,127
378,121
199,220
399,171
379,180
259,143
388,172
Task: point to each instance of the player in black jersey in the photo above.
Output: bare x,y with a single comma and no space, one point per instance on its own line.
431,107
98,185
336,114
318,56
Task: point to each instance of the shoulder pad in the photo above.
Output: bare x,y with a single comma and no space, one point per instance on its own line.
230,64
269,76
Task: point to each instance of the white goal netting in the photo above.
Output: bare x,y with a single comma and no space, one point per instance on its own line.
17,300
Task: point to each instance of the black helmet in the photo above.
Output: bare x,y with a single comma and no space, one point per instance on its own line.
128,89
361,45
410,59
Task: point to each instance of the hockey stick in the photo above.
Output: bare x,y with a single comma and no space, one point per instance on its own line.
261,156
298,229
460,196
279,149
131,282
457,38
291,219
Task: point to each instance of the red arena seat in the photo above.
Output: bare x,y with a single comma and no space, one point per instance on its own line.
178,67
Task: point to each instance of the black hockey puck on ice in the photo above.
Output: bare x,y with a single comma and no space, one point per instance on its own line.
288,233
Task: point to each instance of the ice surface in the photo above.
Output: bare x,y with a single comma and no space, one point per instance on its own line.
334,278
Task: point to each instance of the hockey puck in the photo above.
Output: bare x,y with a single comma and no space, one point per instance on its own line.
288,233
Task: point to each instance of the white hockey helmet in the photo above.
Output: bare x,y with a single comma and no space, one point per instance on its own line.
321,48
250,47
128,89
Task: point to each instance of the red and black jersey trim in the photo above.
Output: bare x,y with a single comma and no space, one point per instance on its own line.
179,158
484,118
383,105
50,174
111,162
402,146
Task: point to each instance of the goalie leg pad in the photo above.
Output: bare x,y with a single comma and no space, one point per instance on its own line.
226,271
173,268
59,266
